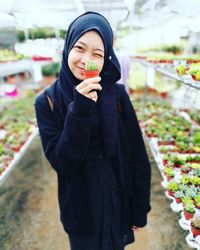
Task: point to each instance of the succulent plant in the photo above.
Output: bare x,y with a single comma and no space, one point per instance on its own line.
195,222
91,65
189,207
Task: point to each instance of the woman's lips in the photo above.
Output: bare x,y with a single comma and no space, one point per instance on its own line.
81,69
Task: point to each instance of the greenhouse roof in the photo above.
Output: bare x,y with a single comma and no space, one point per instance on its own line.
25,14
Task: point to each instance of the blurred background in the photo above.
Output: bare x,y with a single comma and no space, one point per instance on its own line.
157,44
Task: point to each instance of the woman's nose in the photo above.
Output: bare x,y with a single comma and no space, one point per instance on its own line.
85,58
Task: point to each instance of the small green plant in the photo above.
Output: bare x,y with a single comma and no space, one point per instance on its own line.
195,222
179,194
166,157
197,172
51,69
195,180
187,200
186,168
197,200
172,186
191,192
181,69
196,139
185,180
189,207
91,65
168,171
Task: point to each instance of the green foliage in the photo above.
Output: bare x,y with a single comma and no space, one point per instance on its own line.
20,36
197,200
187,200
184,179
91,65
51,69
195,180
196,138
173,49
195,222
189,207
38,33
172,186
63,33
179,194
169,171
181,69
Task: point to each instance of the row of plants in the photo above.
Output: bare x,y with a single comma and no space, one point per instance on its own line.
172,48
17,121
39,33
193,70
178,145
10,56
168,58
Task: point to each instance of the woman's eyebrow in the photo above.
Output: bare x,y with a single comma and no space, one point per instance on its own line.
86,45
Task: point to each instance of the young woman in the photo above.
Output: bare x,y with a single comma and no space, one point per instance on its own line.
91,137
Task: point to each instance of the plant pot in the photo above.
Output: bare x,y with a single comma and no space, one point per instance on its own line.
194,78
187,215
177,165
170,193
89,74
197,206
195,231
165,162
178,200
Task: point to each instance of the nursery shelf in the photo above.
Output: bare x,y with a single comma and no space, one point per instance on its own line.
166,70
11,68
18,156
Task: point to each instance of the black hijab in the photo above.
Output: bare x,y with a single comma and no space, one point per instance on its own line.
109,75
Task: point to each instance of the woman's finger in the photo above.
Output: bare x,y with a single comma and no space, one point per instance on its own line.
90,87
92,95
88,81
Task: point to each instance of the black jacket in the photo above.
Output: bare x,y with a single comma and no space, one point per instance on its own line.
65,135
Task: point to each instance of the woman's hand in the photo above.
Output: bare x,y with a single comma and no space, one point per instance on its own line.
89,87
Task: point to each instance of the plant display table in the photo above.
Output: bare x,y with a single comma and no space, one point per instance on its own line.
17,132
174,139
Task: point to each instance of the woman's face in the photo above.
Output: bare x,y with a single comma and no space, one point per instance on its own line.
87,47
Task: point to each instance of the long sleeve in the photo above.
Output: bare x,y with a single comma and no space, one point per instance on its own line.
141,170
65,149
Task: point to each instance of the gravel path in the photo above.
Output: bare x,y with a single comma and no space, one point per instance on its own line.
29,217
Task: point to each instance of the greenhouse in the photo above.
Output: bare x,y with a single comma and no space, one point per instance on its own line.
156,45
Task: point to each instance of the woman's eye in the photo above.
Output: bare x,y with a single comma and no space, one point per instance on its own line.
99,55
78,47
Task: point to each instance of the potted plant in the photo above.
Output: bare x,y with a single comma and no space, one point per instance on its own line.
191,191
185,169
169,173
185,180
189,210
166,158
172,187
178,195
178,161
197,172
91,69
194,71
181,69
50,72
197,201
195,226
187,200
195,180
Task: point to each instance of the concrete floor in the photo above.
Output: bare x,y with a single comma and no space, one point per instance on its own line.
29,218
